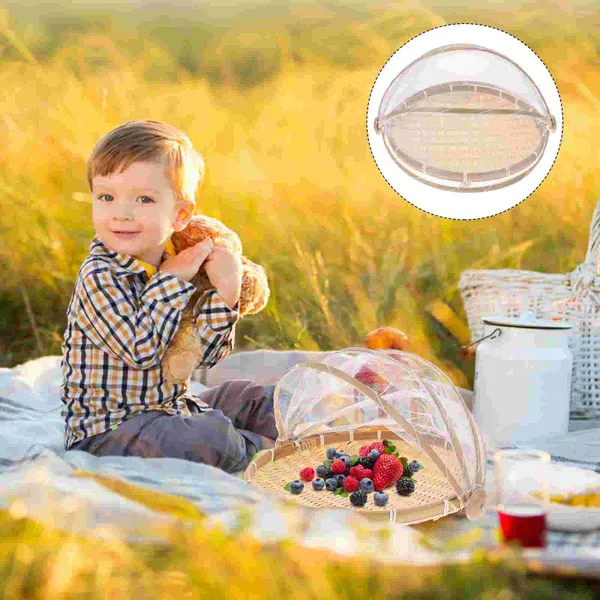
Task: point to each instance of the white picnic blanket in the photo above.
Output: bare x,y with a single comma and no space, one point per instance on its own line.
36,478
36,474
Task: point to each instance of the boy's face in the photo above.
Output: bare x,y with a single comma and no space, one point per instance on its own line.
135,212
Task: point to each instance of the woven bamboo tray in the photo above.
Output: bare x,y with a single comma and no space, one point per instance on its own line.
433,496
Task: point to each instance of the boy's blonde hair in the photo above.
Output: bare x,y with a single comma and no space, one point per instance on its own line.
148,140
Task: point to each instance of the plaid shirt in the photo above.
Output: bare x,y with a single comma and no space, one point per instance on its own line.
121,318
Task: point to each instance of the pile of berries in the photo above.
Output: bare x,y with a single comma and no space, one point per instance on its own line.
376,468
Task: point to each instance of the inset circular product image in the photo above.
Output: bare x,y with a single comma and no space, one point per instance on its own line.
464,117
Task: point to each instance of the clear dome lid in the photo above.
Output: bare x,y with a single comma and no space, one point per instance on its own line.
465,118
357,387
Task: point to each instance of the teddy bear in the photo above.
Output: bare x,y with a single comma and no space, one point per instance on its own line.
185,351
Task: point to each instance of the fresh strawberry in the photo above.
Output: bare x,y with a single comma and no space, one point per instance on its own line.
350,484
307,474
338,466
387,470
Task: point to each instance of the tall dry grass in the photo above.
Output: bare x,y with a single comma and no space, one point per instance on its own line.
288,167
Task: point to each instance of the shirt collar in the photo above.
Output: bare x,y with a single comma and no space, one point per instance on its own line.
125,264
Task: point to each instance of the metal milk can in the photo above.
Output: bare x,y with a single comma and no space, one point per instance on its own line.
522,380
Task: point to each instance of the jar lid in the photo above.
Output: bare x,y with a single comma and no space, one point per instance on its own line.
525,321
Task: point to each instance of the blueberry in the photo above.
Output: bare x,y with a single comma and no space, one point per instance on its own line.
381,498
338,454
331,452
331,484
318,484
340,479
296,486
415,466
374,454
367,485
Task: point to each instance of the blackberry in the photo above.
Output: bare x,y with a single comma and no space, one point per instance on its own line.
366,462
408,471
405,486
323,472
358,498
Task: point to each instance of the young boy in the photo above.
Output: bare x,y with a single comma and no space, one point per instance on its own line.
126,307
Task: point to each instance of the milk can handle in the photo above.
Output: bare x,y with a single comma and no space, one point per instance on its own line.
468,351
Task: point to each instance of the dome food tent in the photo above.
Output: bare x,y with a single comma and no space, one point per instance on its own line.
357,396
464,118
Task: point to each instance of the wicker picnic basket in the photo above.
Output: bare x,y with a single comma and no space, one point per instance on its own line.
357,396
572,297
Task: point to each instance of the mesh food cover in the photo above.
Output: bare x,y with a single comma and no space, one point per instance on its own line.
358,387
464,118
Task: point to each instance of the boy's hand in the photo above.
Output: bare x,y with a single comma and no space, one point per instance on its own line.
187,263
224,269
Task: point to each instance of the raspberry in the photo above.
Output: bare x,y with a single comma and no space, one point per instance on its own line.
307,474
338,466
405,486
358,498
363,451
377,446
350,484
387,470
368,473
358,471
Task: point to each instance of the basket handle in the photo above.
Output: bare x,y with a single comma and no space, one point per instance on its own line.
594,242
584,275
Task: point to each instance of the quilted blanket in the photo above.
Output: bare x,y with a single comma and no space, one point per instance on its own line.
40,479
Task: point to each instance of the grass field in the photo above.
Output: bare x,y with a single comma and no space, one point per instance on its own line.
274,97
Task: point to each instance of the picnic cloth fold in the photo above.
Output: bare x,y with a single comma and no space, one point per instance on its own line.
37,479
32,458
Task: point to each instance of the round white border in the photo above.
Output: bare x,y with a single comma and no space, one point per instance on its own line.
462,205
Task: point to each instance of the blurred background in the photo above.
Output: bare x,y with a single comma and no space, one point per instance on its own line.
274,96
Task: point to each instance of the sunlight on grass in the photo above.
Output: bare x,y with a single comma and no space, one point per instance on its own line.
288,168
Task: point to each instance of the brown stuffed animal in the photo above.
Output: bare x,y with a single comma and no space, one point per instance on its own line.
185,351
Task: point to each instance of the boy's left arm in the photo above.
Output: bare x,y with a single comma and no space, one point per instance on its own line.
219,307
216,328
